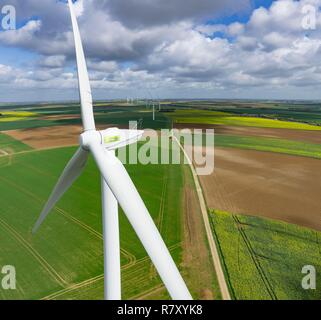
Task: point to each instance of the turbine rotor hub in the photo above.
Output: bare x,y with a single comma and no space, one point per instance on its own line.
88,138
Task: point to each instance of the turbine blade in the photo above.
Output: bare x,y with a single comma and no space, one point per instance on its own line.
129,199
86,101
72,171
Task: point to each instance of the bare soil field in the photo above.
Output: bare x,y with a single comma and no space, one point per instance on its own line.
298,135
266,184
48,137
54,137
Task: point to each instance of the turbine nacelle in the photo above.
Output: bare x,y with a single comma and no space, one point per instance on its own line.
115,138
111,138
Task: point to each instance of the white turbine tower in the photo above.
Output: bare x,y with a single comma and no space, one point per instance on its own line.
117,187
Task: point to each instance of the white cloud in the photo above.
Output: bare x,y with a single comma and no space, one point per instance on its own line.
178,50
236,29
53,61
21,36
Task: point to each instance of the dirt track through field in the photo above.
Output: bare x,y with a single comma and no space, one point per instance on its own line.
213,248
272,185
74,287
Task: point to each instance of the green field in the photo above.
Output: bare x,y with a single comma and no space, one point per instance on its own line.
308,114
265,115
118,116
65,259
263,259
10,145
298,111
229,119
284,146
291,147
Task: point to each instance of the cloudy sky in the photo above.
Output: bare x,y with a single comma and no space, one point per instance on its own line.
164,49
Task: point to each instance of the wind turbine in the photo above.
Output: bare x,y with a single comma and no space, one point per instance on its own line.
117,187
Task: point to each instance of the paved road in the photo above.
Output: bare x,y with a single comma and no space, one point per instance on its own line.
214,251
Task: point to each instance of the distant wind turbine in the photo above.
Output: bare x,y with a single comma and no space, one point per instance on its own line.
117,187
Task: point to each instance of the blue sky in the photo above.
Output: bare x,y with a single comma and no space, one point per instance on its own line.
242,49
16,57
242,16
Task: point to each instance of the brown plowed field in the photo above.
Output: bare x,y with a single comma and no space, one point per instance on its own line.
244,181
266,184
50,137
299,135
